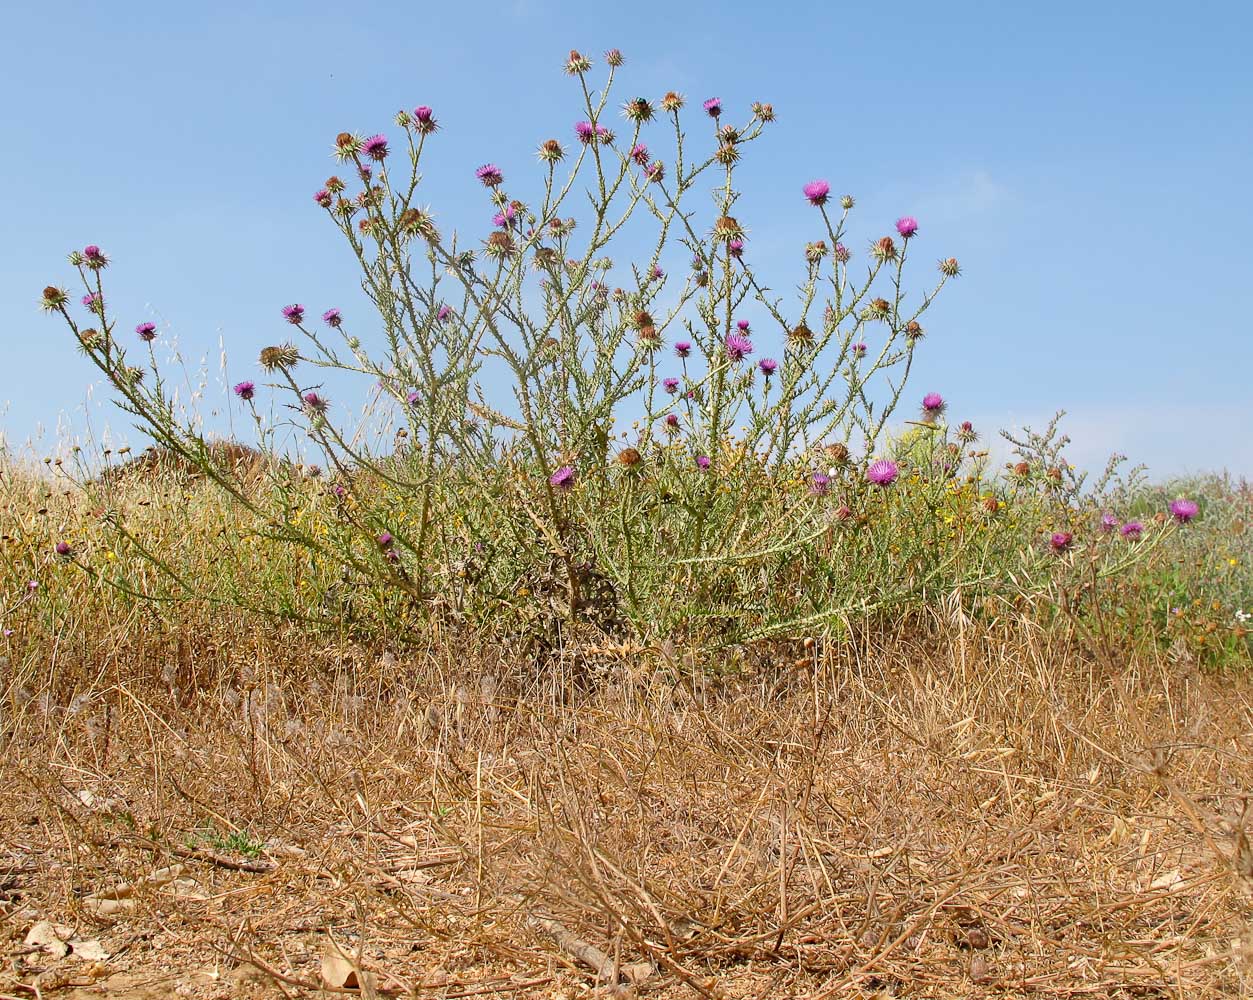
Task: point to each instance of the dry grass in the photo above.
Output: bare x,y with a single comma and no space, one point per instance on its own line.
958,816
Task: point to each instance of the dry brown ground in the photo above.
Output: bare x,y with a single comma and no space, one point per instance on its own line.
972,817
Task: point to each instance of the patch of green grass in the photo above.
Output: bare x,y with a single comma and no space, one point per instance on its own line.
239,842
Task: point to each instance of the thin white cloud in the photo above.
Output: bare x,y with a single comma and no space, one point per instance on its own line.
1169,440
962,197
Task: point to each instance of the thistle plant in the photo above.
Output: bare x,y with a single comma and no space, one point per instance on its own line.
616,444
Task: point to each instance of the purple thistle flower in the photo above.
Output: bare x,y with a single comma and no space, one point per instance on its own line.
907,226
639,153
413,398
672,422
315,404
820,484
735,248
93,301
294,313
332,318
1132,530
585,131
841,253
147,331
96,260
245,390
882,472
375,148
682,348
671,385
563,479
386,541
323,197
32,584
655,171
702,462
1060,541
737,347
713,107
365,172
444,313
742,326
63,550
817,192
933,405
657,272
505,218
1184,510
859,350
8,632
489,174
1108,521
768,366
425,119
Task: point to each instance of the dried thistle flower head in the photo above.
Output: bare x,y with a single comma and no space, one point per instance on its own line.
837,453
281,356
53,298
801,335
884,249
878,308
347,145
577,63
672,102
763,112
550,151
727,227
416,222
949,267
640,109
629,457
500,244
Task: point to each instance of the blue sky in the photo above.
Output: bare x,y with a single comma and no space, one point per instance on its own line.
1088,164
